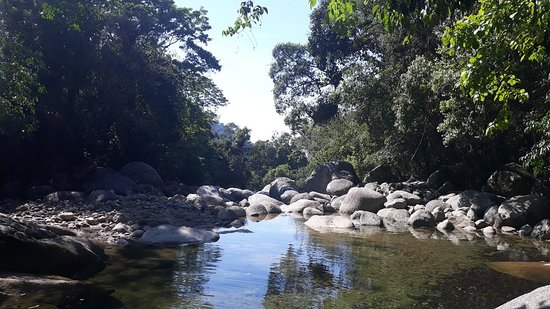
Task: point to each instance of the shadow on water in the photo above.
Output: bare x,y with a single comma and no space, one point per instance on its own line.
281,263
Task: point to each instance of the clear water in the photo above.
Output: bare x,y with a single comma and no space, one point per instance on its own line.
281,263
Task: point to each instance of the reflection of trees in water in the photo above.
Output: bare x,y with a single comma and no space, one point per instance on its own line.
308,274
195,265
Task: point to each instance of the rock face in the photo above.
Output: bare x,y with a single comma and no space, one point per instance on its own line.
28,249
169,235
362,199
339,187
510,180
142,173
526,209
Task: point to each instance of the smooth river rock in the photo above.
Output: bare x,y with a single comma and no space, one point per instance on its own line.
536,299
169,235
362,199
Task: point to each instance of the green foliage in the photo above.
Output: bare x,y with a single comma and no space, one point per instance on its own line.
97,80
495,52
248,15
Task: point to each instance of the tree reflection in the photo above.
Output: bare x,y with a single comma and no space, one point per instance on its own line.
196,264
304,277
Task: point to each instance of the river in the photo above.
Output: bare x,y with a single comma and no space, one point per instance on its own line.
281,263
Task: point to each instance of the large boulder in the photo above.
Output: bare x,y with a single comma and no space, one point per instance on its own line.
107,179
168,235
280,185
288,195
300,205
261,198
365,218
412,199
422,218
381,173
142,173
362,199
524,209
325,173
318,180
478,201
329,222
27,248
510,180
339,187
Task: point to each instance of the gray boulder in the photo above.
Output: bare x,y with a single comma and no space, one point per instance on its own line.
394,215
300,205
256,210
288,195
541,231
421,218
362,199
397,203
491,215
329,222
325,173
311,211
339,187
300,196
431,205
168,235
231,213
525,209
270,204
412,199
142,173
100,196
280,185
336,202
365,218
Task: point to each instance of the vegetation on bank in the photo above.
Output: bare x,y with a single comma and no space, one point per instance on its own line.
417,85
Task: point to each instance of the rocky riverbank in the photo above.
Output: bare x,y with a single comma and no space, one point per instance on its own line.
135,206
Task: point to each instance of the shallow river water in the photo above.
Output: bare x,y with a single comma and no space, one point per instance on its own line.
281,263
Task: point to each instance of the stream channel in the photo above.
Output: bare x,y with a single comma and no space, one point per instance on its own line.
281,263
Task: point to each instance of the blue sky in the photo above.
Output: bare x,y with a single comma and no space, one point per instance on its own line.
246,58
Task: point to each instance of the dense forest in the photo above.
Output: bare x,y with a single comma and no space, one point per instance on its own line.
416,85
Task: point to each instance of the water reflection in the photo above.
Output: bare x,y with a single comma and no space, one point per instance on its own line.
281,263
